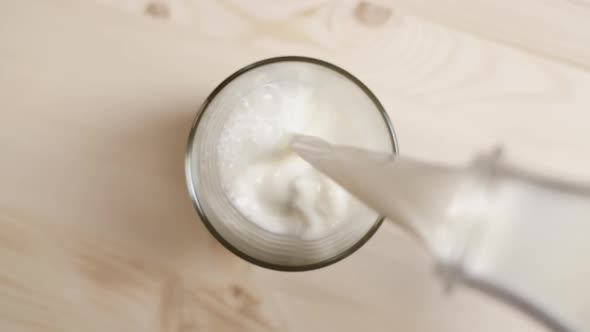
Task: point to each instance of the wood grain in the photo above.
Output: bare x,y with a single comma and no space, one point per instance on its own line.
555,28
97,98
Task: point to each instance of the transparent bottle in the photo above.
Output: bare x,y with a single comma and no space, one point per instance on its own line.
516,236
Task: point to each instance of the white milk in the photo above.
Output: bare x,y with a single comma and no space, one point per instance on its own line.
267,182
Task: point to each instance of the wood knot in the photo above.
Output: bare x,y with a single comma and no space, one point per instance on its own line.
372,15
237,291
158,10
243,297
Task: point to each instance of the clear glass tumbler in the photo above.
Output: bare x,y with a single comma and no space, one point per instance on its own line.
242,236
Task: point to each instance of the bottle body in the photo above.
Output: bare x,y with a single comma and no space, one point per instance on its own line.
525,241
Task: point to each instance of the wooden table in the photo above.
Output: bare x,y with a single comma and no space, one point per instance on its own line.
97,232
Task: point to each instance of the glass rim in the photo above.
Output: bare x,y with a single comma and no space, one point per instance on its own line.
189,157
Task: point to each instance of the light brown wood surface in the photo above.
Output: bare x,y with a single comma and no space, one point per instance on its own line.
97,232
